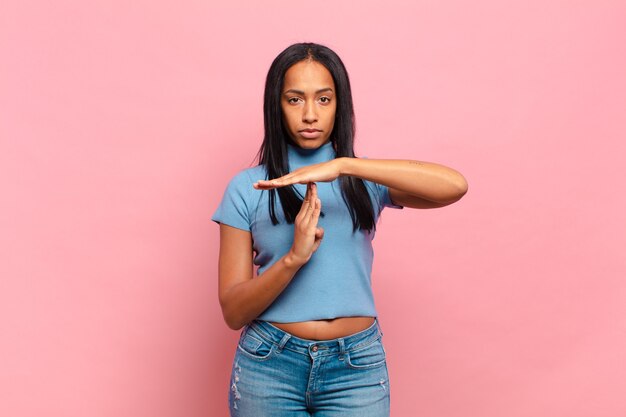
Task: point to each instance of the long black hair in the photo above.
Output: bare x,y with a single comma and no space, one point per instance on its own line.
273,151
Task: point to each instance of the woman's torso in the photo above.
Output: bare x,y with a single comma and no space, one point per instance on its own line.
326,329
336,283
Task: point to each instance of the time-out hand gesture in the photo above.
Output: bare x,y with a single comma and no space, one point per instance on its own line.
307,236
324,172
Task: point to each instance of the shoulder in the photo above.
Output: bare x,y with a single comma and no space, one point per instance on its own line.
238,199
248,176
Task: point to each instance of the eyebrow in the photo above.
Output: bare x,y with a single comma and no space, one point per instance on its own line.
291,90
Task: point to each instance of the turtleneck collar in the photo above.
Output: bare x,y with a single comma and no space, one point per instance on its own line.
299,157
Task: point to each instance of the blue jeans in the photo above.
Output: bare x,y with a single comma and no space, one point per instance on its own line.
277,374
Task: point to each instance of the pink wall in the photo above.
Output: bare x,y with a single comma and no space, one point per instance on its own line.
121,122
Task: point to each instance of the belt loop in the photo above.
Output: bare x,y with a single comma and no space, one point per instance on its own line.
282,342
342,348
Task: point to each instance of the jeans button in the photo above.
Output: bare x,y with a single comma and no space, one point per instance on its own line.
314,348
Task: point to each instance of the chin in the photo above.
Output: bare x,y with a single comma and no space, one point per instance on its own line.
311,143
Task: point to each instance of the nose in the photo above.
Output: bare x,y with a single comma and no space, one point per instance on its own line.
309,114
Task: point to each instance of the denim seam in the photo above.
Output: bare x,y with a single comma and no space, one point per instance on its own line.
363,345
256,357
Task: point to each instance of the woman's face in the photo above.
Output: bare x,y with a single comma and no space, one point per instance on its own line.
309,103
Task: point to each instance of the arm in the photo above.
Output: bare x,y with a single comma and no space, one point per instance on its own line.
412,184
243,298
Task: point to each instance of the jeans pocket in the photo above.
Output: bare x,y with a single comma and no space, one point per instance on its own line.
370,356
252,345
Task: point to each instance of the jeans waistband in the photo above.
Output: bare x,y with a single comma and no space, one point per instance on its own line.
286,340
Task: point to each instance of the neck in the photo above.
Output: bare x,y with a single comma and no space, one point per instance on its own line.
299,157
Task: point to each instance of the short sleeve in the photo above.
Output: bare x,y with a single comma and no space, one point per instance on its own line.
234,209
385,199
382,194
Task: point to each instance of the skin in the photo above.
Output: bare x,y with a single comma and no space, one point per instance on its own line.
308,102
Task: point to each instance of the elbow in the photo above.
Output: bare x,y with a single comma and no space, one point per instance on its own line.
233,324
234,310
458,188
232,317
233,321
461,187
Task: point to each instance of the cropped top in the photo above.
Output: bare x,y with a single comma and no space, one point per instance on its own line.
336,282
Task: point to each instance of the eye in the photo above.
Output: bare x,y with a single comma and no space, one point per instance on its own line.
325,100
293,100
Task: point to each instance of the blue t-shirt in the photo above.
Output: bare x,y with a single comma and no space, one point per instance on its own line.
336,282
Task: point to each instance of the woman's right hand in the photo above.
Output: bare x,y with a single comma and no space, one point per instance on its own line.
307,236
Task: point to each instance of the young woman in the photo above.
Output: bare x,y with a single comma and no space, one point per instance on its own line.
306,215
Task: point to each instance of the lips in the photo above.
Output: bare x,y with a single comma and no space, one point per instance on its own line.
310,133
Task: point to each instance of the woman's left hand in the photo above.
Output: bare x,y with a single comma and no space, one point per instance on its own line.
322,172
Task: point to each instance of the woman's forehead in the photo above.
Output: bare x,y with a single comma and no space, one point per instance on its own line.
309,75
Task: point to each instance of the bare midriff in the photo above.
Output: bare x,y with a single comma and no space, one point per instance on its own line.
326,329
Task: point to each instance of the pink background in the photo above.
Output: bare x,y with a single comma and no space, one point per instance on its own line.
121,122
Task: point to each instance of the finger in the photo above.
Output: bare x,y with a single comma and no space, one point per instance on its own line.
310,208
314,215
287,179
310,204
274,183
267,185
313,197
263,185
319,235
305,203
294,177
